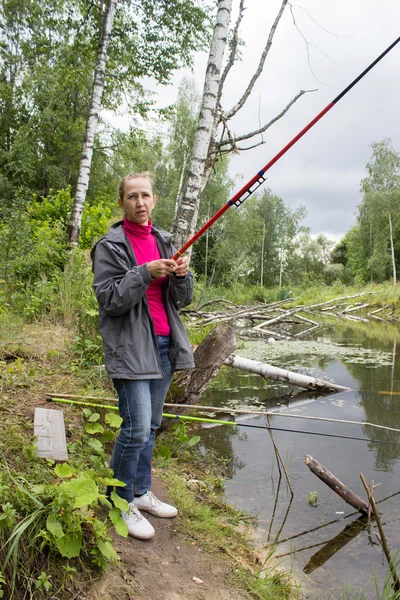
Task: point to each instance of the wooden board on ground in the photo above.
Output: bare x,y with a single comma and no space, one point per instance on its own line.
50,432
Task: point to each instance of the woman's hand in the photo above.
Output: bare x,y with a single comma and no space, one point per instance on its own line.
162,267
182,266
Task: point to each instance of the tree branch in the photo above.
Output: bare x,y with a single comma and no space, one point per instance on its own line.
247,136
260,67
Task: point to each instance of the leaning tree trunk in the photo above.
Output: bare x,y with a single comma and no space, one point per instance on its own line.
74,225
185,221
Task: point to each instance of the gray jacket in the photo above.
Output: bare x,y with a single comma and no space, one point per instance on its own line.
130,345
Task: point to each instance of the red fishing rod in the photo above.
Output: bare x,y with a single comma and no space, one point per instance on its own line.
258,179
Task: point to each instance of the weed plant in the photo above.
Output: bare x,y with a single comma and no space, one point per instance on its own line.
55,519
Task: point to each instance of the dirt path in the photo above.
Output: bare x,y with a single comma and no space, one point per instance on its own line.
163,568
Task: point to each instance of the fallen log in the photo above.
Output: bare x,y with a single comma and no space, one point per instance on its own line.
336,485
277,374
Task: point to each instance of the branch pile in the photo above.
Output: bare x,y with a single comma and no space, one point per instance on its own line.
264,320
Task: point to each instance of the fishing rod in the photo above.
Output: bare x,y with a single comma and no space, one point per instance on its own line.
236,411
255,182
219,422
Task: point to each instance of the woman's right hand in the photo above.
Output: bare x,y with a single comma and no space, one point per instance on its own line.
161,267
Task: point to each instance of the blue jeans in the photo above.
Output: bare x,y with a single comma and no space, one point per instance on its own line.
141,404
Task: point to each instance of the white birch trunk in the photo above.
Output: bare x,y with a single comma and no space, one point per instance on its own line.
186,219
277,374
392,249
74,225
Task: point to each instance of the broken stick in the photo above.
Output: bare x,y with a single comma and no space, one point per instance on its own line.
335,484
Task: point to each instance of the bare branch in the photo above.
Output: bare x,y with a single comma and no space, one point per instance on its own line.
308,45
336,35
233,51
260,67
247,136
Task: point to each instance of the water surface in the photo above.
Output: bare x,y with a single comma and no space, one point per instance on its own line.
343,557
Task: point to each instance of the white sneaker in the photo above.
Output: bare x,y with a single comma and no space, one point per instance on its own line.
138,526
154,506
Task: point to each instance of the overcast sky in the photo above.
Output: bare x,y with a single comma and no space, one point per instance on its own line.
324,169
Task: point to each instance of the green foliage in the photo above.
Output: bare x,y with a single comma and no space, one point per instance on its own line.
55,512
368,244
177,443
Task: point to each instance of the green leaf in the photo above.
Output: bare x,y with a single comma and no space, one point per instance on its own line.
94,417
114,514
107,550
70,545
120,526
96,445
54,526
104,501
120,503
94,428
83,489
37,489
110,481
87,412
107,436
194,440
64,470
113,420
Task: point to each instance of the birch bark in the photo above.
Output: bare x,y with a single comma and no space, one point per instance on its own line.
74,225
206,145
186,218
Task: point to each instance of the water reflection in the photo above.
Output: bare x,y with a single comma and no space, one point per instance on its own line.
322,544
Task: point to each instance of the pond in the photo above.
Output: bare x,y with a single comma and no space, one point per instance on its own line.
330,550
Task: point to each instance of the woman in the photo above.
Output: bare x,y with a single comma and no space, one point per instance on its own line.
140,289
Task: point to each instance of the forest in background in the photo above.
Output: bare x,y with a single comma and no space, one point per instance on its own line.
48,57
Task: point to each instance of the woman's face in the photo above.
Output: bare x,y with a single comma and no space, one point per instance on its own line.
138,201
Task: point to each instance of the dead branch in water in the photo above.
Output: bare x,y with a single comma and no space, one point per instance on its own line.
335,484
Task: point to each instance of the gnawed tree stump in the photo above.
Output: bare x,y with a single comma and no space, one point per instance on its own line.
336,485
189,385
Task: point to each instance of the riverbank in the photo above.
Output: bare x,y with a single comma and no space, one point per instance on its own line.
207,552
384,295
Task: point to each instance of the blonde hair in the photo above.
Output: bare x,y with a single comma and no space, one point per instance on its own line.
121,187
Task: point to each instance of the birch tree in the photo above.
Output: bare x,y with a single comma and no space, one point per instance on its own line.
188,206
213,136
74,225
380,208
152,38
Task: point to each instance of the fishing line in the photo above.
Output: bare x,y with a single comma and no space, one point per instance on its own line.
232,423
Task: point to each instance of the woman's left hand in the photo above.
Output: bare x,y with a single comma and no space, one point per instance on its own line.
182,266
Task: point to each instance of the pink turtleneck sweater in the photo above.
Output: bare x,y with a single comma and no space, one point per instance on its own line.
145,249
